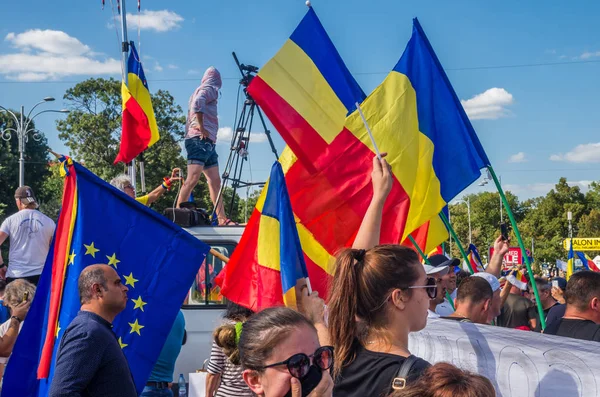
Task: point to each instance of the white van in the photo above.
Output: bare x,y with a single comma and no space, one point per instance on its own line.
204,308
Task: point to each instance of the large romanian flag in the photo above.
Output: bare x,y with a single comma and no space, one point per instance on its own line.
309,95
268,261
139,130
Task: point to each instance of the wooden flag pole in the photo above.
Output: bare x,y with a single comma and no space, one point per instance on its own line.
219,255
513,222
412,240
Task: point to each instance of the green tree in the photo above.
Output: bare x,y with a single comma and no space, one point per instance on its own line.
36,165
92,132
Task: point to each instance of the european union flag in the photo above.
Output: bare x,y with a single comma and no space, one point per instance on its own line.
155,258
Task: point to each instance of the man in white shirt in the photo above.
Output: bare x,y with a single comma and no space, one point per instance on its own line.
30,234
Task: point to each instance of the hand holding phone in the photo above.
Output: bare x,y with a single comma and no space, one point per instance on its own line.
25,296
504,231
555,283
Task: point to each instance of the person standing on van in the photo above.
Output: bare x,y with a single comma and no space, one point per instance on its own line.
200,140
30,233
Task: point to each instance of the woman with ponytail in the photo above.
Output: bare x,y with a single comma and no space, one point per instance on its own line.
224,377
379,294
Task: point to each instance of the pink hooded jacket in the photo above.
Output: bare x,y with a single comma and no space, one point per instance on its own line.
204,100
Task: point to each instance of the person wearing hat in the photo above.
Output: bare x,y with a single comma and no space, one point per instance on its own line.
496,306
30,233
439,268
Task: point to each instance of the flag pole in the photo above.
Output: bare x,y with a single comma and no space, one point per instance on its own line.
513,222
458,244
125,55
420,251
368,130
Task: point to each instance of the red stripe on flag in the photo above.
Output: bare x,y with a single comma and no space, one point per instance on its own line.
293,128
61,246
332,203
135,133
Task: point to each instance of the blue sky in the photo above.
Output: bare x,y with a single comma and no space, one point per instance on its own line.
537,123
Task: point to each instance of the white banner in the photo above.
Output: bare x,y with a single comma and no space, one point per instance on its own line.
519,363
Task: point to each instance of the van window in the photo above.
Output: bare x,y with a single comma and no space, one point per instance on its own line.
204,291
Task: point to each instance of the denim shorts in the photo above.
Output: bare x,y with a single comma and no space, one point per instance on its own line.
201,151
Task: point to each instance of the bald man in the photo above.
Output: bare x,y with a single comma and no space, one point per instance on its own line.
90,361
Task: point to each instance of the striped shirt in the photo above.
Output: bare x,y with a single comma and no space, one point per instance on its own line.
232,383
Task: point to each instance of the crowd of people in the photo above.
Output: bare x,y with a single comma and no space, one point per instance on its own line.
355,344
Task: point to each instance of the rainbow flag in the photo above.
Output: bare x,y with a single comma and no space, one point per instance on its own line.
475,259
309,95
269,255
139,130
142,246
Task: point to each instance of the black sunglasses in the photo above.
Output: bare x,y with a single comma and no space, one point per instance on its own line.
299,364
430,287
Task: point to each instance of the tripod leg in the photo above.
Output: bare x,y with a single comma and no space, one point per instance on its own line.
267,132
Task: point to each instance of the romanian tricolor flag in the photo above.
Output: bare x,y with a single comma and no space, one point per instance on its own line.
587,262
570,262
475,259
268,261
139,130
114,233
309,96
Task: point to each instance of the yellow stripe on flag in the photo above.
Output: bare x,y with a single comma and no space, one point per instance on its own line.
295,77
268,254
142,96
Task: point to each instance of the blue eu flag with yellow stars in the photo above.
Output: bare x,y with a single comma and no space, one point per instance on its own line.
156,259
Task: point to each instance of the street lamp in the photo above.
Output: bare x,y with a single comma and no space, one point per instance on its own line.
467,201
22,131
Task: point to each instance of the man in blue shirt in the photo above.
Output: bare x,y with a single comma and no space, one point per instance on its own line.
90,361
162,373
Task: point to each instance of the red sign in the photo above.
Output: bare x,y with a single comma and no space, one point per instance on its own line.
513,257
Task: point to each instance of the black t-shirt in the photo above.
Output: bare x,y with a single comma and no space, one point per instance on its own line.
538,326
556,313
516,312
572,328
371,374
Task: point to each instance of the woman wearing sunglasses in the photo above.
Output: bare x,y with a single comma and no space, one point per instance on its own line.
281,355
379,294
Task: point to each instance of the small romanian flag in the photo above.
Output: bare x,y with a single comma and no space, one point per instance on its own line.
139,130
268,261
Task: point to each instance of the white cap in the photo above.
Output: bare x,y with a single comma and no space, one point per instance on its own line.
494,283
441,270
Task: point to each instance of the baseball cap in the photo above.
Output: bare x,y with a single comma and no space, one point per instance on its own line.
25,194
494,283
439,264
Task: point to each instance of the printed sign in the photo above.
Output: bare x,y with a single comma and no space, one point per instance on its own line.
582,244
512,258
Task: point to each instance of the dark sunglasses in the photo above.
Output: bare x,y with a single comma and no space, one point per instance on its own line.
299,364
430,287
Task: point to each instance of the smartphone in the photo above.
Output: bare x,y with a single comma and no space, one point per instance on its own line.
555,283
504,231
25,296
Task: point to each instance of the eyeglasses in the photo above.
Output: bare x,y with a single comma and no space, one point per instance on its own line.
431,287
299,364
128,187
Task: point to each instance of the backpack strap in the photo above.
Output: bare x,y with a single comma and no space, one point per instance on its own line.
399,381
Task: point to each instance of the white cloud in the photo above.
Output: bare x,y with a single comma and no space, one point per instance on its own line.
224,135
553,52
159,21
588,55
50,55
518,158
157,67
193,71
172,67
538,189
490,104
48,41
586,153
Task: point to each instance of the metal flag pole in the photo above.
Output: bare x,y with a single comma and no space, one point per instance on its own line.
513,222
463,253
125,53
420,251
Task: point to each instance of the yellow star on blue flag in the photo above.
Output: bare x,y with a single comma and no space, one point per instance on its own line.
142,246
